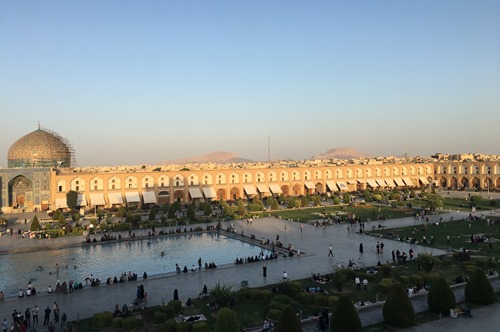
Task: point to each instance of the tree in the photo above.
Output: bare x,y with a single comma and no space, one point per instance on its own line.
190,213
347,198
398,309
62,221
208,209
226,321
220,294
56,215
71,199
152,214
432,201
427,261
288,321
282,198
317,201
225,207
345,317
171,212
241,208
304,202
478,289
441,298
274,204
35,224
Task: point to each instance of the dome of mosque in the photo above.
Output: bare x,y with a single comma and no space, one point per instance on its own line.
40,148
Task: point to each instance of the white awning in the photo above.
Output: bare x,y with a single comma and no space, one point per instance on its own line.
250,190
133,197
423,180
81,200
195,193
262,188
275,189
115,198
381,183
390,182
408,182
342,185
372,183
209,192
61,203
97,199
361,181
309,185
149,197
352,181
399,182
331,185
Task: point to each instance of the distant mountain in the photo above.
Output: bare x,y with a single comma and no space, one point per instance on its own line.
340,153
218,157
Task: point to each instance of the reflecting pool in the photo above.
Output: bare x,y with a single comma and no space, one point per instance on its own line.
151,255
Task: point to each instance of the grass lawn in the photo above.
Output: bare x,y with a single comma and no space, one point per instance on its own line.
365,212
459,232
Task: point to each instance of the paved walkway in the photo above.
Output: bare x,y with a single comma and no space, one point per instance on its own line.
312,240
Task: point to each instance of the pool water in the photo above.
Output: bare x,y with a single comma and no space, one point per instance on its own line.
105,260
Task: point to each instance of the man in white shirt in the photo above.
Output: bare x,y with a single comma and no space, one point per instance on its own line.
285,276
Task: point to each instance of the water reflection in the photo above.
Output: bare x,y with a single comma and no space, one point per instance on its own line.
111,259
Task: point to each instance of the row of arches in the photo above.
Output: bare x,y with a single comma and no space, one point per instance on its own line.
466,182
116,182
468,169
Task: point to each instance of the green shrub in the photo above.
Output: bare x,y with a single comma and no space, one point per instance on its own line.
427,261
416,279
130,323
168,310
493,203
291,288
103,319
431,278
441,298
281,298
461,256
386,270
405,280
332,301
242,294
183,327
159,317
288,321
320,300
266,294
336,201
338,279
177,305
117,322
221,294
478,289
476,198
398,309
169,326
385,285
274,314
345,317
254,294
305,298
482,263
226,321
200,327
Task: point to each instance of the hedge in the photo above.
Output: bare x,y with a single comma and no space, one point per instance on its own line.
103,319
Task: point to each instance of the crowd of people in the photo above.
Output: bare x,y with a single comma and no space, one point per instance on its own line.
27,320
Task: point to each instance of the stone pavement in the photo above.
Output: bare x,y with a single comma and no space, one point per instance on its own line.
314,241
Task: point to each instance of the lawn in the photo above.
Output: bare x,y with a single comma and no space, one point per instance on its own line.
459,231
365,212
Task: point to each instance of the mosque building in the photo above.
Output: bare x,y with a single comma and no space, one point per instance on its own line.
41,171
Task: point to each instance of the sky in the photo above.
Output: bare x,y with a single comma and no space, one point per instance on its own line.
141,82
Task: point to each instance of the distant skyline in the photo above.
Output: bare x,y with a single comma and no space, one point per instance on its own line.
132,82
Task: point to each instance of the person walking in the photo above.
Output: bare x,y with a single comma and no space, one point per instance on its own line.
5,325
358,283
365,284
34,313
330,251
361,248
56,312
264,271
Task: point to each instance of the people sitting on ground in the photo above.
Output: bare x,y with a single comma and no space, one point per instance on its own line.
193,268
49,290
144,275
117,312
185,269
21,293
285,276
124,310
205,289
350,265
189,302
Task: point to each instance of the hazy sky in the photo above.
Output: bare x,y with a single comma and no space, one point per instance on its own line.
139,82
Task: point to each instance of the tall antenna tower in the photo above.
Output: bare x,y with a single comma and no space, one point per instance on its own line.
269,149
